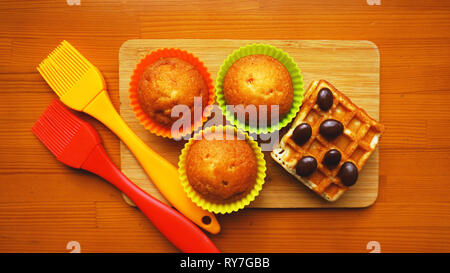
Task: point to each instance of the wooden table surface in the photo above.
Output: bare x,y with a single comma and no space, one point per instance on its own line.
45,205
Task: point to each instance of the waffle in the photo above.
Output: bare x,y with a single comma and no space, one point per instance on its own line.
357,142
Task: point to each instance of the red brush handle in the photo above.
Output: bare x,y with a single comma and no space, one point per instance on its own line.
180,231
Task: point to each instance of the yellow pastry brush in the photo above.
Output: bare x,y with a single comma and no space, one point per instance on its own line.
81,86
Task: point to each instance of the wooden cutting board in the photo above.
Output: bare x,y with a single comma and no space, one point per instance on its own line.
352,66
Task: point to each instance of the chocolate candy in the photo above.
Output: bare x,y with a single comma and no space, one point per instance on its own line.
306,166
348,174
325,99
301,134
331,128
331,158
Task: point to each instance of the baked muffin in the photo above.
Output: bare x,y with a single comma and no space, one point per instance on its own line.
169,82
259,80
221,167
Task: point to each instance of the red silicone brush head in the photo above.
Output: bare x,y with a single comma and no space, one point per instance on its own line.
67,136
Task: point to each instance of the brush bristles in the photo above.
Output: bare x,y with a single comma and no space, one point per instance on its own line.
56,127
63,68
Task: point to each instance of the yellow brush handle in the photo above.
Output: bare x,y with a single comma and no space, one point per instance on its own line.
163,174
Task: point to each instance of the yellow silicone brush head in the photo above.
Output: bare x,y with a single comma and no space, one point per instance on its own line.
73,78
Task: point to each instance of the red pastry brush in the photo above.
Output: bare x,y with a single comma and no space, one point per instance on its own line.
75,143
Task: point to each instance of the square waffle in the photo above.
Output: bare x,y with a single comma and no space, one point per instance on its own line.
356,143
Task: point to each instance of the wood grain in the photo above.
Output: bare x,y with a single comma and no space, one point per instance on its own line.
412,211
352,66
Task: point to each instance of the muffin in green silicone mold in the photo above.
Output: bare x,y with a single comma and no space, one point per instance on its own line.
291,67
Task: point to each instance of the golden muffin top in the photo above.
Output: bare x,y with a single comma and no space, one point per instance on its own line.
259,80
167,83
221,170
